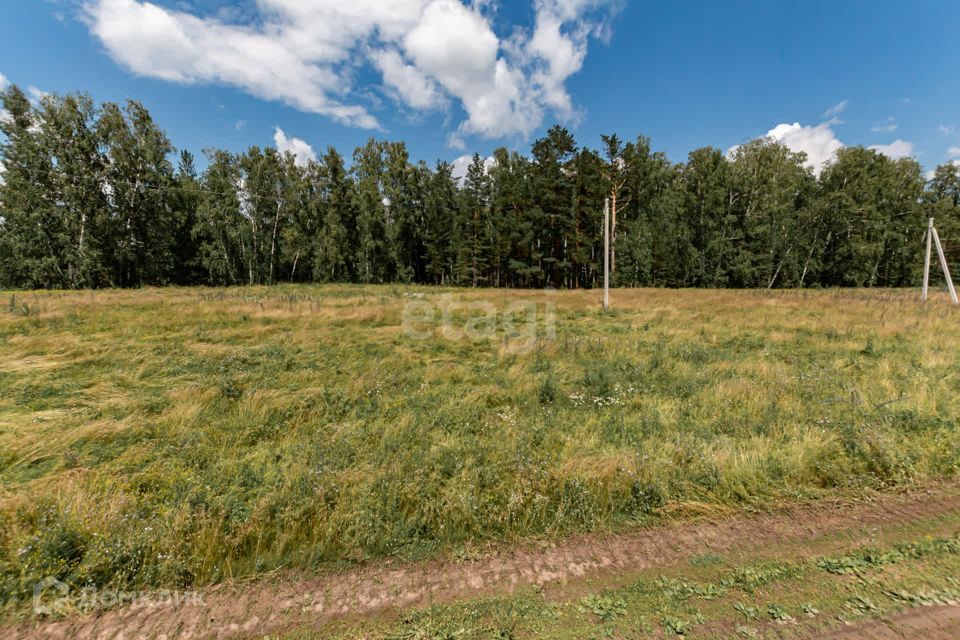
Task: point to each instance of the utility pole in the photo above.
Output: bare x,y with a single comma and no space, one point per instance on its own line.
933,238
606,254
926,263
946,268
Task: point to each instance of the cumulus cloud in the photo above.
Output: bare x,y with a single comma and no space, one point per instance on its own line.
302,151
268,62
428,53
412,86
895,150
460,167
819,142
4,83
953,152
461,164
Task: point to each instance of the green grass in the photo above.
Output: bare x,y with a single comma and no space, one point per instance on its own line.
179,437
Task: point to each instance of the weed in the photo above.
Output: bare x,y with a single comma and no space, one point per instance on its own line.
874,559
605,607
752,577
778,613
547,393
748,612
680,626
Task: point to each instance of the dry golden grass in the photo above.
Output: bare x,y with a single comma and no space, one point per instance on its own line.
182,436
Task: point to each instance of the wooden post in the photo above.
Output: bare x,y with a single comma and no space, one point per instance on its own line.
606,255
926,264
946,268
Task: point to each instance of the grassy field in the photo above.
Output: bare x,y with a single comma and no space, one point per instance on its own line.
180,437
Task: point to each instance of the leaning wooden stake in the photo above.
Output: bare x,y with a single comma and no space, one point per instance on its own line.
946,268
606,255
926,264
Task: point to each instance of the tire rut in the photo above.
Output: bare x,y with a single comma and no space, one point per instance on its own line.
268,607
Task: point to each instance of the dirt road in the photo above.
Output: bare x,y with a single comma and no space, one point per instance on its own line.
274,605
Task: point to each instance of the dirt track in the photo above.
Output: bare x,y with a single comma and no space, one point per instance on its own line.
269,607
926,623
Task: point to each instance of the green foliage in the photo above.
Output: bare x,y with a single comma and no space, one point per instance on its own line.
777,613
91,199
875,559
681,626
752,577
605,607
748,612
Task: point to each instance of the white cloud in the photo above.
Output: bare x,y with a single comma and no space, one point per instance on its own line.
460,167
953,152
240,124
457,46
4,114
302,151
947,129
412,86
308,53
887,126
836,109
895,150
268,63
819,142
461,164
456,141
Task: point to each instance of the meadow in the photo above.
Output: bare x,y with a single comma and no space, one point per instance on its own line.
183,437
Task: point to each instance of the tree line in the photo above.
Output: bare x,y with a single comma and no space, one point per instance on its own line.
96,196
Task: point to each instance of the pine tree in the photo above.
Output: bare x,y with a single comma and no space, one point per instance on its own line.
336,240
373,257
474,225
185,200
441,235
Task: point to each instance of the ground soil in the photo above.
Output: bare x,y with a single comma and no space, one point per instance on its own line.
563,568
926,623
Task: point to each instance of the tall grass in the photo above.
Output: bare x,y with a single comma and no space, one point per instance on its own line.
186,436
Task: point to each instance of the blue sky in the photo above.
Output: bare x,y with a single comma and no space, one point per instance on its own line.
456,76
